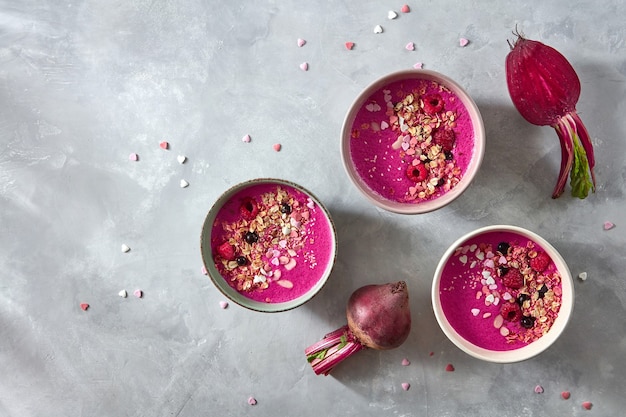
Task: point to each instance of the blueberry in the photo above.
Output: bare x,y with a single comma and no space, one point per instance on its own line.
522,297
285,208
503,247
527,322
251,237
503,270
241,260
449,155
542,291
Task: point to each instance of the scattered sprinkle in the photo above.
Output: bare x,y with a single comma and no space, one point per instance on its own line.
463,42
223,305
565,395
405,8
246,139
378,29
133,157
84,306
125,248
405,362
406,386
304,66
410,46
418,65
587,405
123,294
184,184
204,271
301,42
538,389
138,293
181,159
582,276
252,401
608,225
475,312
164,145
449,368
431,354
277,147
349,45
391,15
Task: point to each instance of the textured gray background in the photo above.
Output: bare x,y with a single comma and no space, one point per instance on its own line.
85,83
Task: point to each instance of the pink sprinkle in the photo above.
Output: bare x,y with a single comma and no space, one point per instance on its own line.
349,45
587,405
84,306
301,42
133,157
223,305
406,386
539,389
418,65
410,46
463,42
304,66
252,401
204,271
277,147
405,362
405,8
246,139
608,225
565,395
164,145
431,354
138,293
449,368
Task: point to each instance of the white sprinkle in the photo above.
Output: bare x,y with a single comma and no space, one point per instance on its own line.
475,312
582,276
378,29
259,278
506,296
123,294
125,248
181,159
184,184
463,259
490,298
391,15
223,305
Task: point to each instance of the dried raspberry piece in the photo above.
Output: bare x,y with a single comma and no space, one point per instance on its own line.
226,251
417,173
433,103
445,138
540,262
513,279
249,208
511,312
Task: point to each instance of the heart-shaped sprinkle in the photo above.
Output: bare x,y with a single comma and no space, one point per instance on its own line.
582,276
246,139
405,145
410,46
133,157
463,259
138,293
405,362
463,42
277,147
486,273
480,255
506,296
84,306
301,42
587,405
384,125
475,312
489,263
391,15
125,248
349,45
123,294
309,203
252,401
502,260
181,159
223,305
565,395
406,386
370,107
539,389
304,66
164,145
203,270
418,65
449,368
608,225
184,184
378,29
490,298
405,8
490,281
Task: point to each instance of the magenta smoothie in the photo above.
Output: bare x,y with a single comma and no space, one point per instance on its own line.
500,291
412,141
271,242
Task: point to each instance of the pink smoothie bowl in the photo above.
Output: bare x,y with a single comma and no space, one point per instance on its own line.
412,141
502,294
268,245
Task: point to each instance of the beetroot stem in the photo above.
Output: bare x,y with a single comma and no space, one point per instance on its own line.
332,349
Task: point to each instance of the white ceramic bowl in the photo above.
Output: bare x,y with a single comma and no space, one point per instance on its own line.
460,312
304,266
368,134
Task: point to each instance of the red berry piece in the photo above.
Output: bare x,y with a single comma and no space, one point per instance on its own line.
511,312
417,173
249,208
433,103
226,251
445,138
540,262
513,279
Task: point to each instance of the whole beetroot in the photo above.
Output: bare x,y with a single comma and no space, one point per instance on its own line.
378,318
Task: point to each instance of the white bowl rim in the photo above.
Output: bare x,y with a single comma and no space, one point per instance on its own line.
220,282
472,170
532,349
